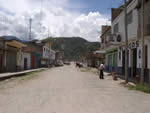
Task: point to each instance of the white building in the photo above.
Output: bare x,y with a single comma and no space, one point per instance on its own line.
134,39
48,55
25,60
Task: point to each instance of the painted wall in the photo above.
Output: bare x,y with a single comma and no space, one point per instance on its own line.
28,56
132,28
45,52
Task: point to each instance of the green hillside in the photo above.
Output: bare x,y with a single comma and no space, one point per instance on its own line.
73,47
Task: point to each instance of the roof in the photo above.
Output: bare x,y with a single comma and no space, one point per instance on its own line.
121,8
10,38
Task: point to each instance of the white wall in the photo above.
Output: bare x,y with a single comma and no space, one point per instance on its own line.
147,42
132,28
45,52
52,54
28,56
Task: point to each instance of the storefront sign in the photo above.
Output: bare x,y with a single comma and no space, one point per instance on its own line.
134,44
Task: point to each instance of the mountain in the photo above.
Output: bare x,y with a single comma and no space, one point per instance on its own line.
73,47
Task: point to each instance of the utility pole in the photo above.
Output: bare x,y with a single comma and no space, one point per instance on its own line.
143,43
30,28
126,43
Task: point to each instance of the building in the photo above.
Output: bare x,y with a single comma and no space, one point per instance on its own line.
26,58
146,38
48,54
59,56
10,53
52,57
134,16
109,43
36,49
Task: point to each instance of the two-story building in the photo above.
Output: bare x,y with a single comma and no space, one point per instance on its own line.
134,16
48,57
109,43
118,31
146,38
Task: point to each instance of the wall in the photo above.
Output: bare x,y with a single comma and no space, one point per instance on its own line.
45,52
132,28
28,56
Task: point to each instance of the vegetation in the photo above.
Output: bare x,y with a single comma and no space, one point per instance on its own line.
73,47
139,87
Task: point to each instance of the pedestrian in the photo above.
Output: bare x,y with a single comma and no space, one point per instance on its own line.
101,68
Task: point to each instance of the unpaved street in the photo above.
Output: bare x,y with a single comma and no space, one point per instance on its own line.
69,90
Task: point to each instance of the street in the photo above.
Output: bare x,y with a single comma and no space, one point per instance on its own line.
68,89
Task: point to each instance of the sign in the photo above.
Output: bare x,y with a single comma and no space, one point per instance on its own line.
134,44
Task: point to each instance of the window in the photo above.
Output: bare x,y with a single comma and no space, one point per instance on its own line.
116,28
129,18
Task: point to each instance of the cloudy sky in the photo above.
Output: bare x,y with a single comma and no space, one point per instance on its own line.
55,17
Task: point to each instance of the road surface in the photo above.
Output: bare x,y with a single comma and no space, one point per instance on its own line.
70,90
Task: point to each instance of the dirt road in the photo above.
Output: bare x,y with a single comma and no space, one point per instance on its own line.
69,90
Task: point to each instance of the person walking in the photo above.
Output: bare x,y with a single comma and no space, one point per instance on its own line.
101,68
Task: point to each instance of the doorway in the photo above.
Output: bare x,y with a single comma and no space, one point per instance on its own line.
25,63
134,64
123,62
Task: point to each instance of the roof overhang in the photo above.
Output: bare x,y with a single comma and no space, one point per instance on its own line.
16,44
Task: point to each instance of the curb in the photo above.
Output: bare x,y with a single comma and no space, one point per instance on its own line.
17,74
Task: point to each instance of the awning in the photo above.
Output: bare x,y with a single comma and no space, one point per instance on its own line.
112,50
16,44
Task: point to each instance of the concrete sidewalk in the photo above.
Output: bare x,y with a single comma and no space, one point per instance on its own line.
4,76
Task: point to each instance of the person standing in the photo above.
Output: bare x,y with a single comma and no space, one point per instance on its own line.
101,68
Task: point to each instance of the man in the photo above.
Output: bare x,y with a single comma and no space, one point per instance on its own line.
101,68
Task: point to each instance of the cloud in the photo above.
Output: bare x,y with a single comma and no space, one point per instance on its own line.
54,17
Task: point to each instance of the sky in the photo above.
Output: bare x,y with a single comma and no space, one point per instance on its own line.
55,18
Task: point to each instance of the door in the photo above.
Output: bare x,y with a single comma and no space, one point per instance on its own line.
11,61
33,61
123,62
115,62
134,64
110,62
25,63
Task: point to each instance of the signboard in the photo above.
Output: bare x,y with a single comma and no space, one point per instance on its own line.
134,44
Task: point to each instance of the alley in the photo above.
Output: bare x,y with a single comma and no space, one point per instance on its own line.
67,89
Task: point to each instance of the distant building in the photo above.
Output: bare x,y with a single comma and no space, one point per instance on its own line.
48,54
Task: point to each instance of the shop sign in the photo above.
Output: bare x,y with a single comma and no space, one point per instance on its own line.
134,44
